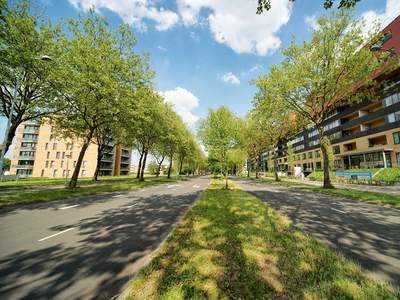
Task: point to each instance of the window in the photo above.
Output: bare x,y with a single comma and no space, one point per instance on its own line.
64,172
313,143
74,163
317,153
332,125
63,155
48,155
390,100
62,163
309,154
338,163
47,163
398,158
312,133
84,164
55,173
296,140
72,146
304,156
67,147
336,149
52,164
396,137
55,146
298,157
393,117
51,137
70,156
319,167
42,174
47,146
83,173
58,155
297,148
52,129
56,138
336,135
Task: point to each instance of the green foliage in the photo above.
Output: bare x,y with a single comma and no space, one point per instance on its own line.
6,164
152,167
266,4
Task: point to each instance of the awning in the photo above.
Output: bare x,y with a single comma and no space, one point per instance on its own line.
366,152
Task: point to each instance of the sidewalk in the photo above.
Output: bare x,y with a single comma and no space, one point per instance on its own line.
389,190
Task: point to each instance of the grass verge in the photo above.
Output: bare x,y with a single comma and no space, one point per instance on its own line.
363,195
232,246
28,197
280,182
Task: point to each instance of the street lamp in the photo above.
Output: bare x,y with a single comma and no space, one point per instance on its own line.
3,151
376,48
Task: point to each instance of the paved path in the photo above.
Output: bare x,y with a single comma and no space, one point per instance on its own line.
365,233
88,247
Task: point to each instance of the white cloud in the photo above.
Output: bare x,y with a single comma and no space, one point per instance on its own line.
391,12
133,12
235,23
229,77
184,101
194,37
162,48
312,21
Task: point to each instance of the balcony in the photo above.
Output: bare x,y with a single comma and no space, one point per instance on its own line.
24,167
28,130
31,139
107,158
20,157
125,154
25,149
125,161
124,168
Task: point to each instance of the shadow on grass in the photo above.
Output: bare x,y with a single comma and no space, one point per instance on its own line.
232,246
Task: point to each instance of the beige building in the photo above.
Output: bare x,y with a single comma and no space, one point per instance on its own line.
39,153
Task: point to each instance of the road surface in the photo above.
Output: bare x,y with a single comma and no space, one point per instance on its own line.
87,247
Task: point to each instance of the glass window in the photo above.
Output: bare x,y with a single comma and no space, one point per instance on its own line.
47,163
72,146
58,155
52,129
63,155
74,163
309,154
84,164
62,163
83,173
304,156
52,164
319,167
298,157
67,147
336,149
64,172
51,137
398,158
55,146
41,175
47,146
317,153
55,173
48,155
396,137
56,138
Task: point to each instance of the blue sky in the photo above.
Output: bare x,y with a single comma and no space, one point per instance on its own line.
205,52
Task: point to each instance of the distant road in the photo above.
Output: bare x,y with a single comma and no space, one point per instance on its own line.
366,233
87,247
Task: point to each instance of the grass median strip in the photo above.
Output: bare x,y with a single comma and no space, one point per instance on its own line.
27,197
232,246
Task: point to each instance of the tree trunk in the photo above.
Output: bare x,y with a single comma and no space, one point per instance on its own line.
256,156
139,166
100,152
248,171
74,178
226,172
276,166
144,164
170,166
325,156
159,166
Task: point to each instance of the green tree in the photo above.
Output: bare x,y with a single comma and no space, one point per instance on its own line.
219,132
291,157
98,77
266,4
152,167
27,35
6,164
335,69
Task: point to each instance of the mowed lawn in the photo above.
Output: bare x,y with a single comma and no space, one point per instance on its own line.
232,246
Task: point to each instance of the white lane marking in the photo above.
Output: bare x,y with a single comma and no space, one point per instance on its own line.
131,205
117,196
196,186
69,206
174,185
41,240
343,212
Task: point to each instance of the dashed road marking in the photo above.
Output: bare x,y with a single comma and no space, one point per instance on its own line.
43,239
69,206
343,212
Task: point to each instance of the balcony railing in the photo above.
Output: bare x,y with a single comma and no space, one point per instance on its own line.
25,149
125,154
28,130
25,167
107,159
27,139
23,157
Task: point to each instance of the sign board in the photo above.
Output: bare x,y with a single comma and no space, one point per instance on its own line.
354,175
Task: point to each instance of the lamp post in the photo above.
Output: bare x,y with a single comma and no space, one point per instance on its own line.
379,48
3,150
66,172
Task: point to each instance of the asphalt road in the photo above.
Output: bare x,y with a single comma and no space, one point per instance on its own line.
365,233
87,247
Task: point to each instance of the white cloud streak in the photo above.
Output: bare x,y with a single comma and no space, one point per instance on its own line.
230,78
184,101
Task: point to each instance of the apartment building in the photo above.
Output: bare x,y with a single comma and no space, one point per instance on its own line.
365,135
38,152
